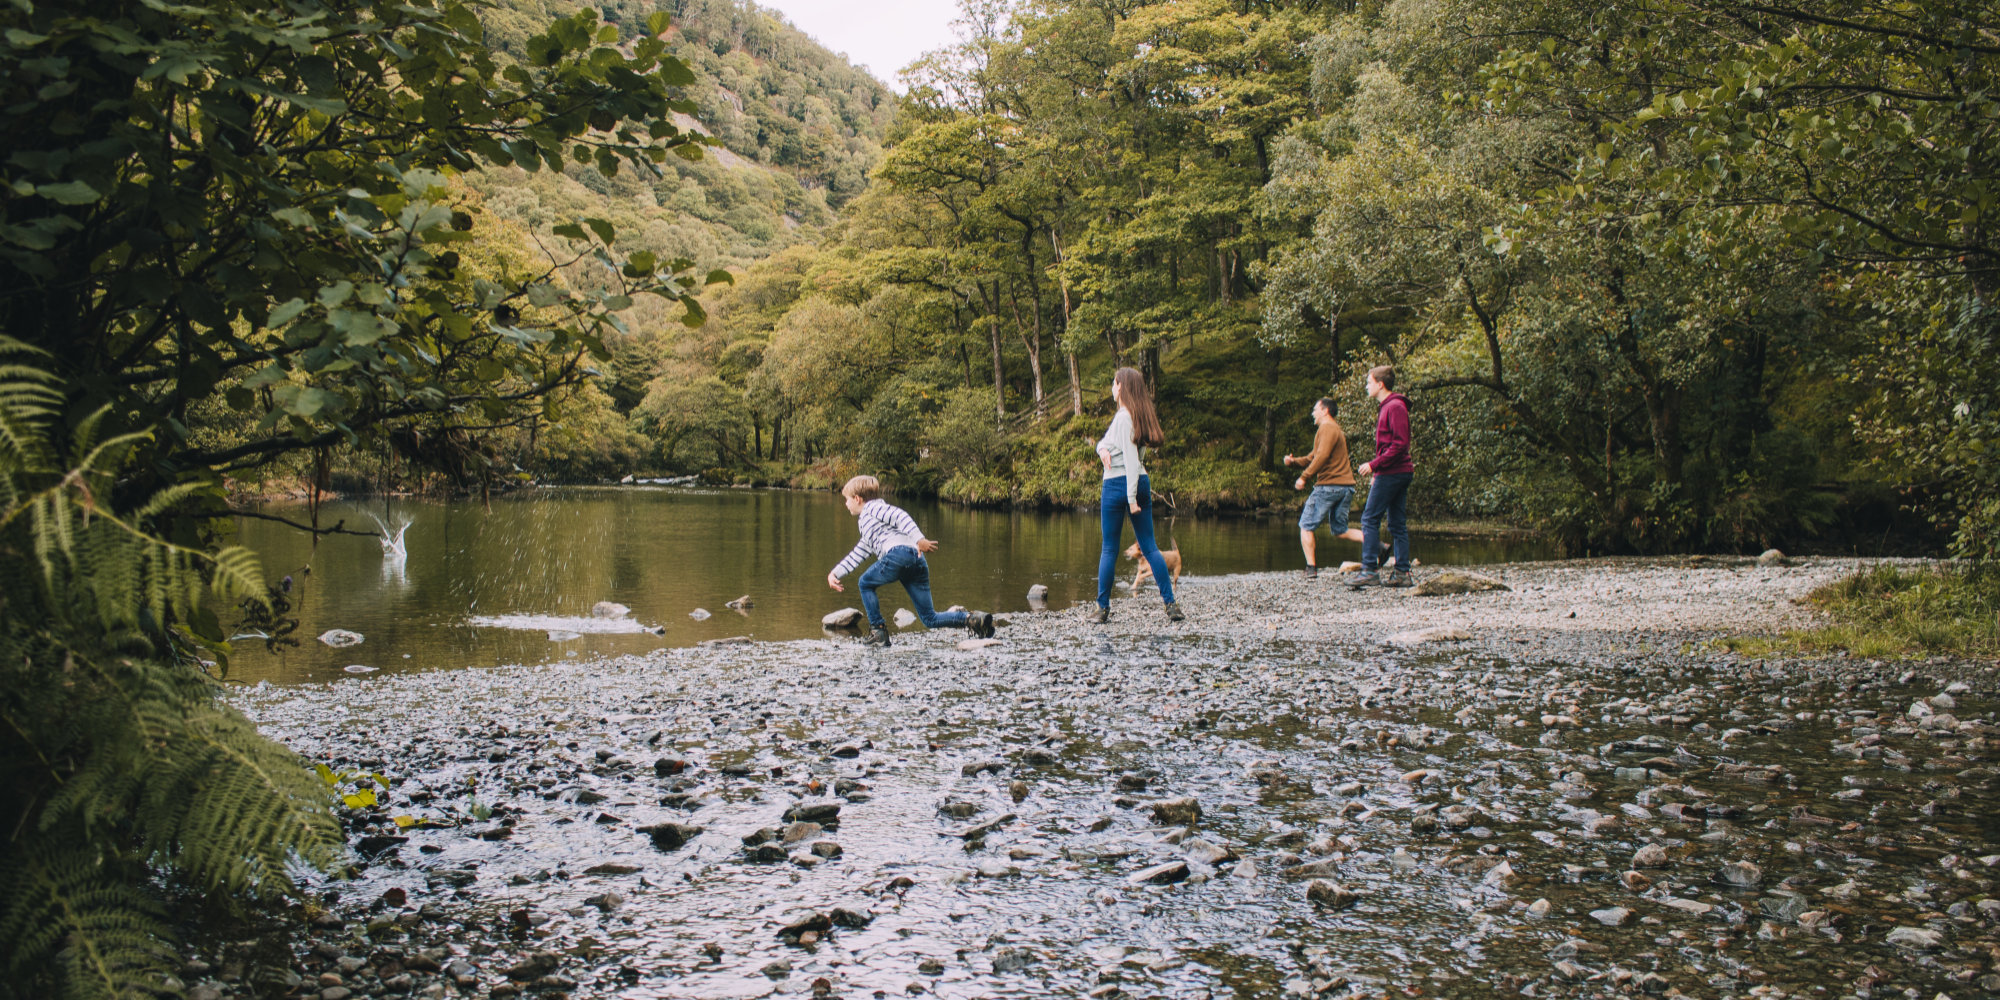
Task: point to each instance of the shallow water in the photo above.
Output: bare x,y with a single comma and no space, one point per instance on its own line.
516,583
1313,749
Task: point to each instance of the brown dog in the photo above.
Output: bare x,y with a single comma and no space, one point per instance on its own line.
1172,557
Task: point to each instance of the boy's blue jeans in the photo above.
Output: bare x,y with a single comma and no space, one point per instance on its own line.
1390,495
1113,509
905,565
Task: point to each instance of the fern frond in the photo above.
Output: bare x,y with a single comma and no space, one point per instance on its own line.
67,909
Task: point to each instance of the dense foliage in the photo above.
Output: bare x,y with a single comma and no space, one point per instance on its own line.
234,234
1658,276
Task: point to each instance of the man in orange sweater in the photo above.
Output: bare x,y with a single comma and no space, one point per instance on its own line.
1332,480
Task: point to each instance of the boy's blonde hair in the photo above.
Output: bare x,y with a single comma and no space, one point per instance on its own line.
863,488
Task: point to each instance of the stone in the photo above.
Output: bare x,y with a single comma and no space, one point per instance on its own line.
826,849
1539,909
1428,635
1636,881
700,614
1166,874
1772,557
802,830
904,618
1313,869
340,638
740,603
1331,894
1201,850
972,644
1650,856
671,836
844,618
609,609
605,901
1455,582
1177,812
1038,592
611,868
534,965
1915,938
1741,874
667,767
1612,916
825,812
1012,959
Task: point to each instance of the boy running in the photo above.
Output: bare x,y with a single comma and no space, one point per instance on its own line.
888,533
1332,477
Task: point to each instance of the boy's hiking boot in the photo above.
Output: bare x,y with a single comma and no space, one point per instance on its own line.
1310,572
1397,578
878,637
1174,612
1363,578
1103,615
980,624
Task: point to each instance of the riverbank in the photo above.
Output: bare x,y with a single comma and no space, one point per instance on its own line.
1560,789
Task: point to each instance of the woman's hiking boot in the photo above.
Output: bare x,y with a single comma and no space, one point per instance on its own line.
1362,578
1310,572
1174,612
1103,615
878,637
980,624
1397,578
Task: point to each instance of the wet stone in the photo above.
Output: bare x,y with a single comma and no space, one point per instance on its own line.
1177,812
1331,894
1612,916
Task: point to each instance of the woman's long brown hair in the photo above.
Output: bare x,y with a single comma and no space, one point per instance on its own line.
1138,402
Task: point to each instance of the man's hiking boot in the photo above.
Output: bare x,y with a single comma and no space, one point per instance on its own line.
1103,615
1174,612
1397,578
1310,572
1364,578
878,637
980,624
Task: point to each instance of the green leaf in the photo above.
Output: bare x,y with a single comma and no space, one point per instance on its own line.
286,312
69,193
605,231
720,276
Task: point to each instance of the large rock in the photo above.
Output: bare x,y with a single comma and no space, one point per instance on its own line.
1650,856
1453,582
1429,635
1177,812
1166,874
1331,894
844,618
1038,592
1772,557
905,619
609,609
671,836
1915,938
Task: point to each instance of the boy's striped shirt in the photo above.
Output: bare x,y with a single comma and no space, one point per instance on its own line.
883,527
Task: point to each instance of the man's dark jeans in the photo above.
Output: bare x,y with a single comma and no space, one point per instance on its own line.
1388,494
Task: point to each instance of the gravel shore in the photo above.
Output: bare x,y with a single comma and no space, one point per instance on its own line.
1559,789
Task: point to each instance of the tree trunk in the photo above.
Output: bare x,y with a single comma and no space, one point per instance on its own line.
1069,357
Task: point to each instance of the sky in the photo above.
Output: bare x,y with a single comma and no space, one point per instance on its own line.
880,36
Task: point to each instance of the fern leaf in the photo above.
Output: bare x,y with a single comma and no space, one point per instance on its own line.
68,910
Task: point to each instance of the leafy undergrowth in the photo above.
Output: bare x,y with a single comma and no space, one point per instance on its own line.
1889,613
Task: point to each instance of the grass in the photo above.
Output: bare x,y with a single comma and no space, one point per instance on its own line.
1890,613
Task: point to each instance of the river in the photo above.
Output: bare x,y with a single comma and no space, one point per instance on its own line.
515,583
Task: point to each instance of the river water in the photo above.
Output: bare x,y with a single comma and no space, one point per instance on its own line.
515,583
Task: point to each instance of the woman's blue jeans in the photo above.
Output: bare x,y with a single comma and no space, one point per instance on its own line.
1114,509
906,566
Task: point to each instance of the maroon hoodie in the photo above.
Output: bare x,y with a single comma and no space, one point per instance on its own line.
1392,437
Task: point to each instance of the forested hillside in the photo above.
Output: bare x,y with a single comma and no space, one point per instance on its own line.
1643,299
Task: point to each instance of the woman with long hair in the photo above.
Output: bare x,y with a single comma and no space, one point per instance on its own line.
1127,489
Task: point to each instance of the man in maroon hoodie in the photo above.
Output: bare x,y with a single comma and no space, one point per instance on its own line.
1390,492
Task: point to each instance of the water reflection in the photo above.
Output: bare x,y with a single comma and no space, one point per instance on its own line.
456,584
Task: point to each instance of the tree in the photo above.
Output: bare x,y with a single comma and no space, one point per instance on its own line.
229,235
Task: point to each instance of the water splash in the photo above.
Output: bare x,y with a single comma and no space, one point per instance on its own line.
395,554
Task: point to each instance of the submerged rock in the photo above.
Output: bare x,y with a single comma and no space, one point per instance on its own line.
340,638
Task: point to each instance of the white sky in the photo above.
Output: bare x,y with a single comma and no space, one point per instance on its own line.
881,36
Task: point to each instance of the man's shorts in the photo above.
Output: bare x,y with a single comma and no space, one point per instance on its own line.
1327,503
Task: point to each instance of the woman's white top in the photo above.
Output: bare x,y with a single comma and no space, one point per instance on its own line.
1124,453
